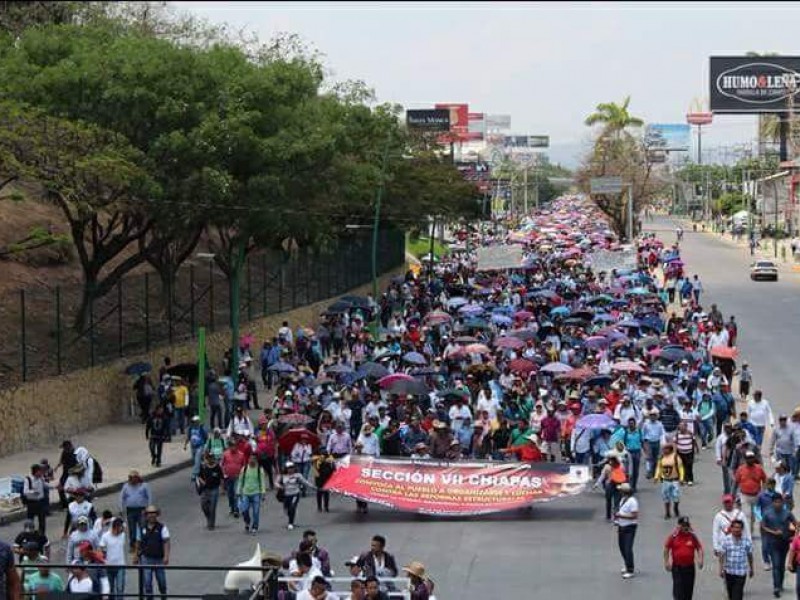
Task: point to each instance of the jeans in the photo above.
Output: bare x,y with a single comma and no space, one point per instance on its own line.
688,465
290,506
683,582
250,503
766,554
230,490
652,459
147,575
735,586
216,416
116,582
635,461
178,421
304,468
197,456
135,517
759,436
789,460
727,483
707,431
612,499
268,464
778,549
625,537
580,458
156,447
323,498
38,509
208,504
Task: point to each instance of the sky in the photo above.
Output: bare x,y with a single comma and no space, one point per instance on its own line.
545,64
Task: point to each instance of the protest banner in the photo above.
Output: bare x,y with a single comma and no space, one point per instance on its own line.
455,488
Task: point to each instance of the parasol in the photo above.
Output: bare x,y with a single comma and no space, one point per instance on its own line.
293,436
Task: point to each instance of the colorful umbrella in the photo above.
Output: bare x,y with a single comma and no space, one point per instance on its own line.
523,315
595,421
597,341
724,352
437,317
628,367
509,342
385,382
521,365
293,436
556,367
296,419
477,349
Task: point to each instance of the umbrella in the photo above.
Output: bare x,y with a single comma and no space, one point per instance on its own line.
673,353
521,365
385,382
639,291
627,366
523,334
471,310
499,319
603,318
339,307
556,367
601,299
359,301
415,358
509,342
477,349
578,374
453,392
476,324
414,387
584,314
373,369
523,315
647,342
559,311
186,371
437,317
595,421
322,381
724,352
664,375
597,341
456,302
296,419
281,367
465,339
423,371
138,368
293,436
629,323
601,380
339,369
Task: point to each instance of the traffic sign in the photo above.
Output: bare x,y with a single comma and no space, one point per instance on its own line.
606,185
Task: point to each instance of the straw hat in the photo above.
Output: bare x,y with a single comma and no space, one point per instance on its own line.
415,568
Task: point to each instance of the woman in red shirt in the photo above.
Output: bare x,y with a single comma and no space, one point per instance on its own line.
527,452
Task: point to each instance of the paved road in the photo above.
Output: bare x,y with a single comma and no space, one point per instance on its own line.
559,550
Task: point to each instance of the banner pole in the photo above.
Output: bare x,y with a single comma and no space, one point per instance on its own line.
201,373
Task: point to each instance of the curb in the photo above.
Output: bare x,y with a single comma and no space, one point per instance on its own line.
21,514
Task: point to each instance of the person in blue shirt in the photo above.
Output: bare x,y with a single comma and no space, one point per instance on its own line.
748,426
632,438
652,433
196,436
723,408
777,529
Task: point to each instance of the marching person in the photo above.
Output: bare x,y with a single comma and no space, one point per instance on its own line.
626,519
681,550
250,491
736,560
153,549
209,480
669,471
290,489
722,522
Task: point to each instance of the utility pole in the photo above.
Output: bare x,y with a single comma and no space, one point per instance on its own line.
630,213
525,191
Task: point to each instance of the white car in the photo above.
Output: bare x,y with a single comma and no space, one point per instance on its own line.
764,269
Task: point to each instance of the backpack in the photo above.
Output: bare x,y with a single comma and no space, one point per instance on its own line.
97,473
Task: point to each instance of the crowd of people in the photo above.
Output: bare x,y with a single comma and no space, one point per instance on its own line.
561,360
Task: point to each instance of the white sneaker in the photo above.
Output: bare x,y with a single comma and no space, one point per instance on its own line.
290,527
768,567
627,575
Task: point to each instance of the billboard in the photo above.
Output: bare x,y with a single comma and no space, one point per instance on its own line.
459,122
498,121
455,488
476,126
669,137
526,141
746,84
428,119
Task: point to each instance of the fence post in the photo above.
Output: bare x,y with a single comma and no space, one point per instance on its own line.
264,285
211,295
58,329
280,287
249,290
147,312
23,342
309,297
169,310
91,329
294,281
119,316
191,299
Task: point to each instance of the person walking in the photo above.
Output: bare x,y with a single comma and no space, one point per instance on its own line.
37,502
722,523
759,413
793,560
777,527
736,560
682,550
233,462
626,520
156,431
209,480
289,489
669,471
152,550
686,445
196,437
324,465
113,543
134,497
750,479
250,491
633,440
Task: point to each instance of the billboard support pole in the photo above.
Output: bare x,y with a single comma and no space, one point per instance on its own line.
784,136
630,213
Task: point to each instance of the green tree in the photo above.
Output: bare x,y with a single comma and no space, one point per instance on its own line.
614,118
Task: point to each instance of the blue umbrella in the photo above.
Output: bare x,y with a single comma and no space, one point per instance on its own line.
138,368
471,309
281,367
504,310
595,421
415,358
499,319
456,302
475,324
639,291
559,310
339,369
604,318
629,323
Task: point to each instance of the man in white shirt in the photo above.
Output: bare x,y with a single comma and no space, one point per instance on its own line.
459,414
367,442
759,412
114,543
719,337
722,521
318,590
689,415
487,401
285,333
626,519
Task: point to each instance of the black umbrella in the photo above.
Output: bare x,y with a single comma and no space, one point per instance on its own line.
359,301
601,380
138,368
404,386
339,307
373,369
673,354
663,375
422,371
186,371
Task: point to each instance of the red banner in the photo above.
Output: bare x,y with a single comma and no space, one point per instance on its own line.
457,488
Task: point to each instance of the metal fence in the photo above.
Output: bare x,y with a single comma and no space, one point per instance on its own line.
138,315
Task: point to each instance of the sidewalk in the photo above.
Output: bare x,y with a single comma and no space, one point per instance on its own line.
118,448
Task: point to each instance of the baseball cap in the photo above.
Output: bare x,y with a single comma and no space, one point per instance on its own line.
351,561
749,454
684,521
82,520
727,498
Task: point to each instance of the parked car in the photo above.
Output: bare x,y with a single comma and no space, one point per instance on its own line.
764,269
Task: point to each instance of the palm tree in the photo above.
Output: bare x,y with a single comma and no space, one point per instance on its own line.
614,117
